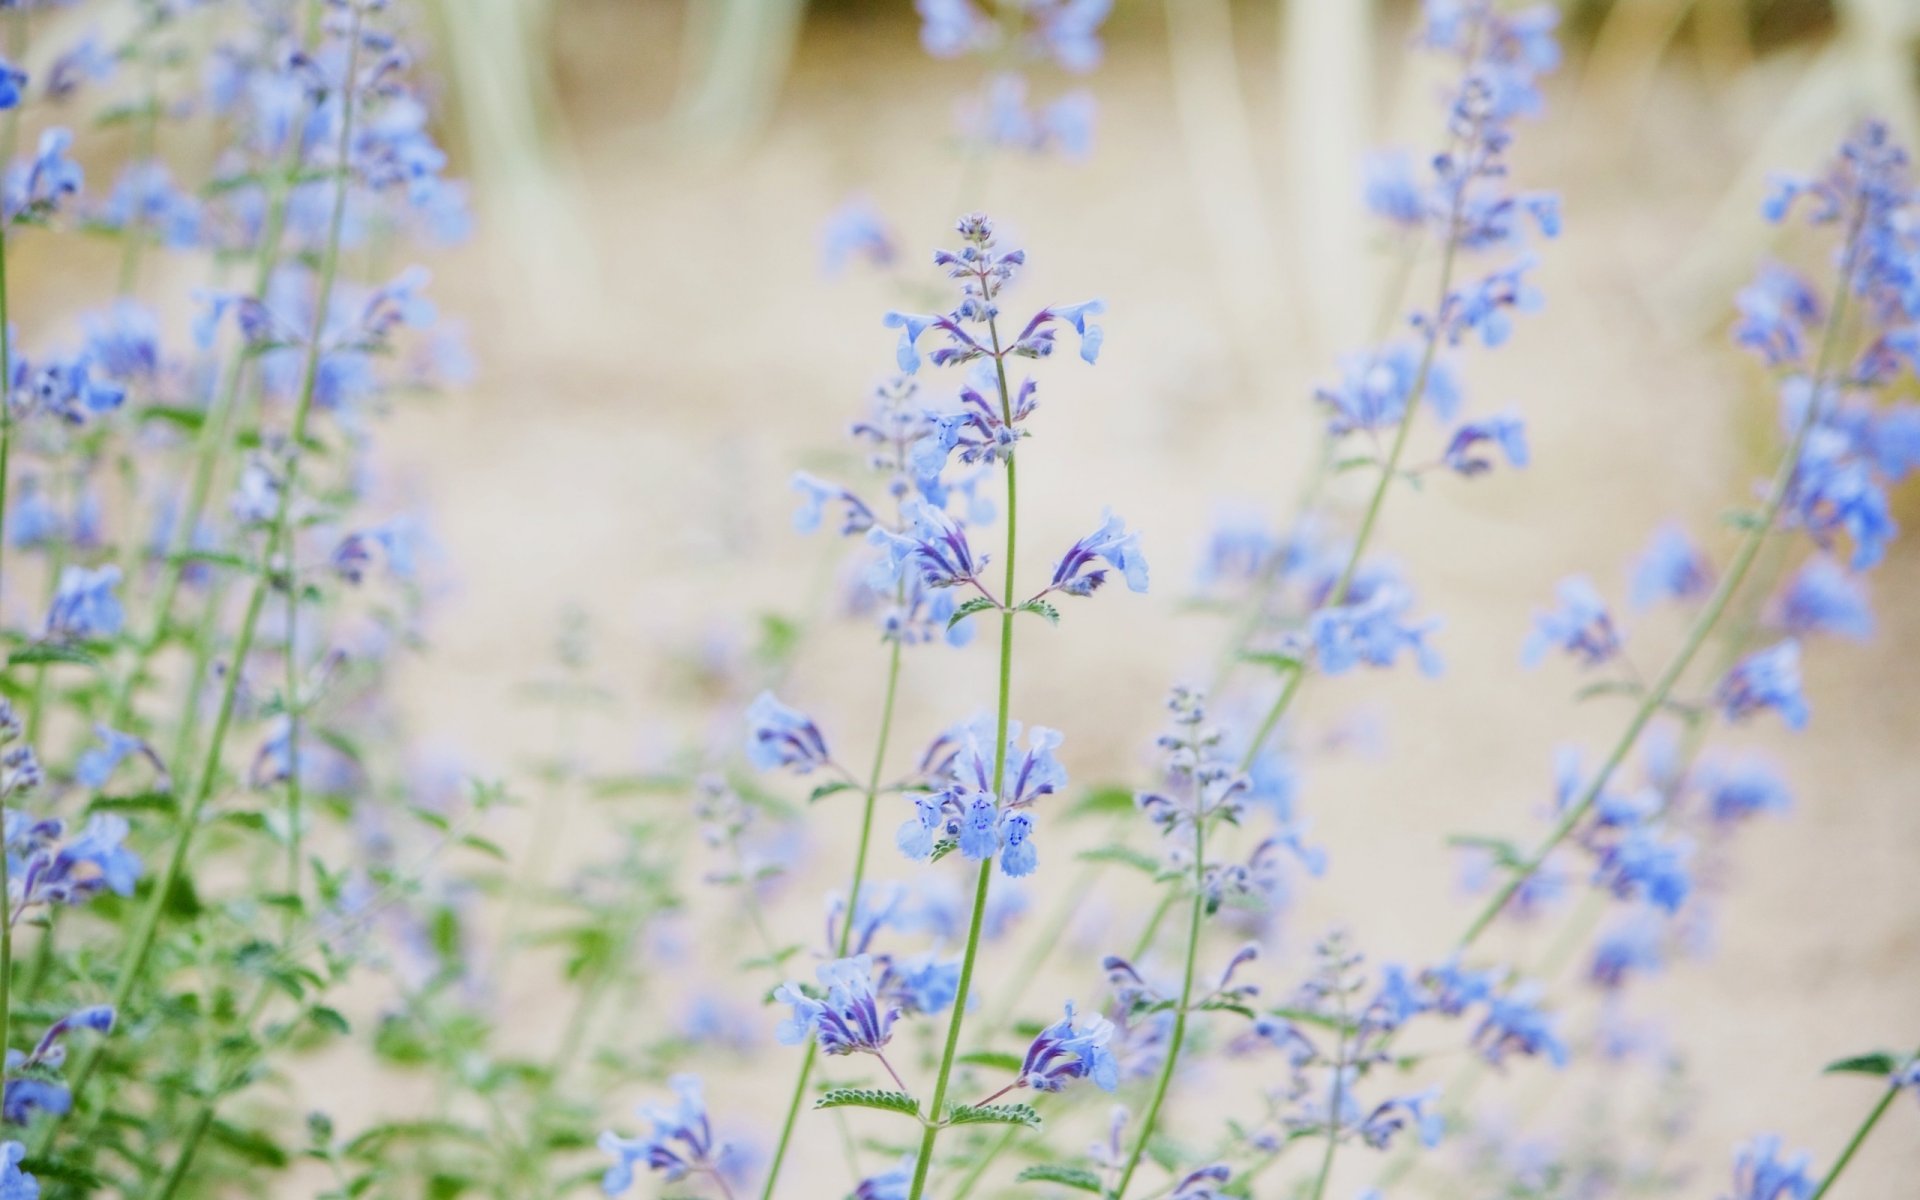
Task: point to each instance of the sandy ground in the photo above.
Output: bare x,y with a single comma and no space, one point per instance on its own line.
628,443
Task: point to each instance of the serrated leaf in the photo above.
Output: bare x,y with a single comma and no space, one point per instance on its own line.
898,1102
1043,609
996,1059
828,789
977,604
993,1114
1880,1063
1125,855
1073,1177
942,848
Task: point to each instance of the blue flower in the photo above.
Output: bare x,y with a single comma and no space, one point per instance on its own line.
1642,866
1823,597
1765,679
1065,1052
84,604
1019,857
1833,490
1378,1128
16,1184
896,1183
950,28
855,231
680,1144
1392,191
1744,789
1508,433
918,985
1778,313
37,188
1759,1173
1036,340
13,85
1111,543
1580,626
1068,31
979,828
97,763
1371,630
778,736
849,1019
1670,568
934,546
1516,1024
817,494
1628,946
1374,389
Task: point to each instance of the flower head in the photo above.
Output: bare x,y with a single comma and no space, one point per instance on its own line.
1066,1051
849,1018
1765,679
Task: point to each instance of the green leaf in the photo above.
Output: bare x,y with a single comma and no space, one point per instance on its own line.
775,959
185,418
1281,663
977,604
61,1170
329,1019
163,802
997,1059
1224,1006
213,558
40,653
248,1144
1880,1063
1073,1177
829,789
1355,463
942,848
491,849
1110,798
898,1102
1608,687
993,1114
1042,608
1125,855
1504,852
1744,520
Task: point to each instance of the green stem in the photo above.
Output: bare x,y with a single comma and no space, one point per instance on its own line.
853,907
216,428
1855,1142
1333,1113
133,965
6,400
924,1160
1179,1036
1703,626
1389,471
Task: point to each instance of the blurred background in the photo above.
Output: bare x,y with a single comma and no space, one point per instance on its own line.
658,347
